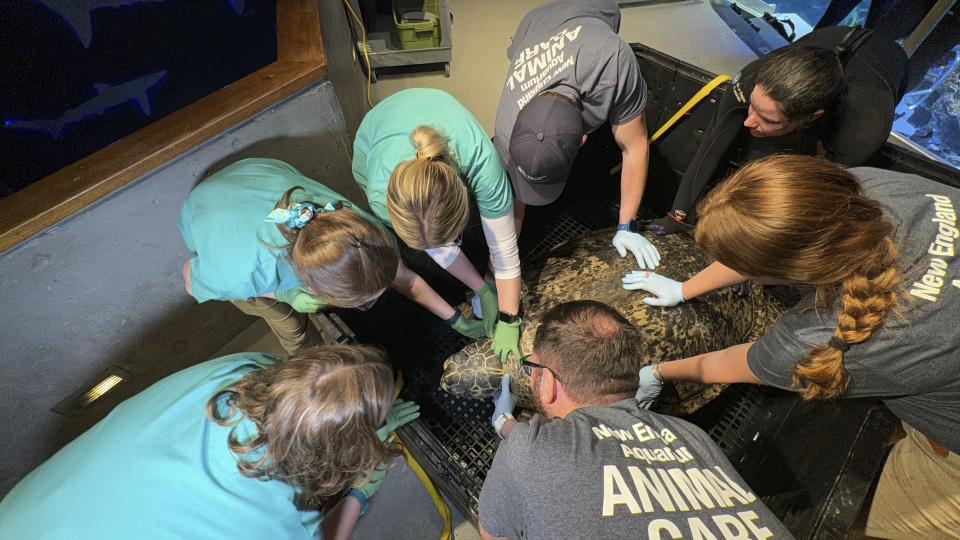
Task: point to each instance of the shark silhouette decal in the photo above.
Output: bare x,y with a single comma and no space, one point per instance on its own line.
107,98
77,13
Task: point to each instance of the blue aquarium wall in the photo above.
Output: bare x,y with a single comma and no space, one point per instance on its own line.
81,74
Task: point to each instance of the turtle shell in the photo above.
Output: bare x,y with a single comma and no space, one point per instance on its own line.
589,268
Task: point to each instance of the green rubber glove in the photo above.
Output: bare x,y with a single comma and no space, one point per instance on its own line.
300,300
367,486
490,307
472,328
401,413
506,340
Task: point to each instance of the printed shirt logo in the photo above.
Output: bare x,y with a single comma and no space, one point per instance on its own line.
942,251
662,479
537,65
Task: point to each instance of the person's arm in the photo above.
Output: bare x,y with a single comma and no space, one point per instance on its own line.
410,284
713,277
726,366
462,269
669,292
634,145
501,236
186,277
339,523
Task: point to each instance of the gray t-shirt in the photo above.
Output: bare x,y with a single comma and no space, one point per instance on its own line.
571,47
912,362
618,472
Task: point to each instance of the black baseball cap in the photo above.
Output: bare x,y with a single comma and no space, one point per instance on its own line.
545,141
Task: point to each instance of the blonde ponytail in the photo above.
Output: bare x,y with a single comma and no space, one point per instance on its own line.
805,220
427,201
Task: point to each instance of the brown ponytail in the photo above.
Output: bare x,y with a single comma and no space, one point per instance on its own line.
428,203
805,220
342,256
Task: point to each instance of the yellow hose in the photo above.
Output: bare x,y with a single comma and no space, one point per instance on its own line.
447,533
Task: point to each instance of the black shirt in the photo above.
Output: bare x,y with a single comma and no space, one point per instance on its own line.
875,74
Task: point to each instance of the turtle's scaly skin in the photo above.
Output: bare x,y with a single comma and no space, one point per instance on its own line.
589,268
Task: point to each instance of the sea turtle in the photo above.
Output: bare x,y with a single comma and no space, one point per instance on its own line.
589,268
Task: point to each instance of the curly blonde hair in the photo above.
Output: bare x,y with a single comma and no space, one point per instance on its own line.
316,416
806,220
428,202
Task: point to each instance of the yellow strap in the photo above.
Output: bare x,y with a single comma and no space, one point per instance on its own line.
697,98
447,533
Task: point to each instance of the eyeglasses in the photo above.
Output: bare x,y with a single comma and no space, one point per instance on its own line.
527,366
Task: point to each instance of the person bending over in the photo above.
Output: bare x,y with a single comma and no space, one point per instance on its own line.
879,248
280,246
569,74
832,93
595,463
243,446
423,160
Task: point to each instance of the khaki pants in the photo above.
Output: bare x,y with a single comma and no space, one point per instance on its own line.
919,492
293,329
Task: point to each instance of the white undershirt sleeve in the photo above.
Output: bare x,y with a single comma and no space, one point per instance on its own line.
444,256
501,236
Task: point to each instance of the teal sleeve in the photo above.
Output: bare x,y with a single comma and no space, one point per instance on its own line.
489,180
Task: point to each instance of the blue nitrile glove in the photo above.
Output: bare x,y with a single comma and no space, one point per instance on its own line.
646,254
489,308
300,300
506,340
503,401
666,226
472,328
401,413
649,389
666,292
368,485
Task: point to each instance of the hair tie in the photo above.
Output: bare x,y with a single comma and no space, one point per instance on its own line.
839,344
297,215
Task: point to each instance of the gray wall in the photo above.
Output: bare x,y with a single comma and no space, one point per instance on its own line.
104,288
344,67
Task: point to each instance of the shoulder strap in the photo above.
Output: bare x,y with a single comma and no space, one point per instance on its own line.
850,43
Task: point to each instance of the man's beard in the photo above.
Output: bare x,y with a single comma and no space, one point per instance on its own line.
538,406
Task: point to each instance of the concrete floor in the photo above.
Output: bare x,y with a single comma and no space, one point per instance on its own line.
482,32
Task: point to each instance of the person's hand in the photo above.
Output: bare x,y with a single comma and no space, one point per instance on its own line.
367,486
300,300
504,401
489,308
506,340
666,292
649,389
401,413
472,328
646,254
666,226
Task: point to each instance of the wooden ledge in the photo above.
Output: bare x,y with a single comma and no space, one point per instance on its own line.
71,189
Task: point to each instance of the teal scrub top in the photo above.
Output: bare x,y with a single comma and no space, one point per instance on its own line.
383,142
157,468
238,255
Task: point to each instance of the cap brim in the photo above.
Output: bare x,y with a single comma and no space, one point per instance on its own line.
533,194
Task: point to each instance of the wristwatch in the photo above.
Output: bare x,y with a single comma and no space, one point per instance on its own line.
499,421
507,318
